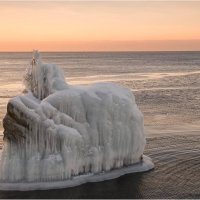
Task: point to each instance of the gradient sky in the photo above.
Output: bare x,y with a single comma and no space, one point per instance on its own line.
99,25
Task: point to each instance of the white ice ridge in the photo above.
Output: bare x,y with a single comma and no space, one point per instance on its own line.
57,132
78,180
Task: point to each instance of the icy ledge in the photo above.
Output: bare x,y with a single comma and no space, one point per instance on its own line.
145,165
59,135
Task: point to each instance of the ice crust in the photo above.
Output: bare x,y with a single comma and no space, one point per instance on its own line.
57,132
145,165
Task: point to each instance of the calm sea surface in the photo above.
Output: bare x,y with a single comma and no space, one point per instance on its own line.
164,83
81,64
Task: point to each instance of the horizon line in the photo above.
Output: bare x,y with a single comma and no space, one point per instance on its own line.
112,51
104,0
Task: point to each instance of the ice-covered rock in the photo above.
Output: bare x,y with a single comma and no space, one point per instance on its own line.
56,132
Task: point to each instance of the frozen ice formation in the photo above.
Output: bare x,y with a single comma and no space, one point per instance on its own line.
57,132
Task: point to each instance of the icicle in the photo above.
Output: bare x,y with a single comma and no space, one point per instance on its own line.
63,131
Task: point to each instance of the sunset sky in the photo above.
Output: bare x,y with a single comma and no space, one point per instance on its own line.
99,25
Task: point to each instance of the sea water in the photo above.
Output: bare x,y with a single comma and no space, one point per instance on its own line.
173,97
137,70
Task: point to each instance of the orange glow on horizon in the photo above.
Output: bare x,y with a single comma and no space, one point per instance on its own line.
154,45
99,26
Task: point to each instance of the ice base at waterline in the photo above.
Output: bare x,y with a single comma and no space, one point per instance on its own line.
145,165
58,135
